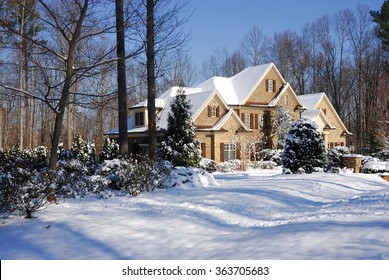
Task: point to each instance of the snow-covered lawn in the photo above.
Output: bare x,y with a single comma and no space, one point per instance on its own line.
262,215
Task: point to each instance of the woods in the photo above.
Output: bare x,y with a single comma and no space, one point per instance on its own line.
59,76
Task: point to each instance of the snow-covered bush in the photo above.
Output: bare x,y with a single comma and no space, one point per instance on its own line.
335,156
271,155
25,182
116,172
304,149
208,165
375,167
147,174
262,164
382,155
189,178
134,175
73,179
229,166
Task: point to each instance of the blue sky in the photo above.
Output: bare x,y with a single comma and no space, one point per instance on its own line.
223,23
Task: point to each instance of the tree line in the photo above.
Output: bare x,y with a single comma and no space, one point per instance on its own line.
337,54
59,66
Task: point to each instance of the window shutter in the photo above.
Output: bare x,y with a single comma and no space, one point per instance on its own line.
251,121
267,85
242,117
274,86
217,111
203,149
209,111
237,153
256,121
221,152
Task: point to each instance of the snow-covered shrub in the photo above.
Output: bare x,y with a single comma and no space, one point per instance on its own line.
208,165
116,172
25,182
189,178
229,166
73,178
262,164
304,147
382,155
147,174
375,167
335,156
109,150
134,175
271,155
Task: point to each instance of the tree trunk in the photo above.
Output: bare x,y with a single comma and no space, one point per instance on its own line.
121,79
66,87
151,84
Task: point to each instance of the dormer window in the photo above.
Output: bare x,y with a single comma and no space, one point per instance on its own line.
139,119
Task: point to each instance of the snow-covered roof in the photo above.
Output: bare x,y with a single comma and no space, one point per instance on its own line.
311,101
237,89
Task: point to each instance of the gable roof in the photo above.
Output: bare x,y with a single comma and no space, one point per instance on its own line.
312,101
237,89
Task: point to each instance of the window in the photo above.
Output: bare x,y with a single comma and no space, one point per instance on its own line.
213,111
139,119
229,151
260,121
247,120
270,86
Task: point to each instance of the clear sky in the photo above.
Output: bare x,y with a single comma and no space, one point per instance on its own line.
223,23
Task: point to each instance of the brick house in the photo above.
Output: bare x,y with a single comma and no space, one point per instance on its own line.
230,111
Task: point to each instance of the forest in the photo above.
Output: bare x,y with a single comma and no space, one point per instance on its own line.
58,62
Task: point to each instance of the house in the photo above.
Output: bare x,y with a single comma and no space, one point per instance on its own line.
320,110
230,111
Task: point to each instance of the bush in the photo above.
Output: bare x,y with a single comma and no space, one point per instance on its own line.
229,166
263,165
270,155
305,149
335,156
25,181
208,165
382,155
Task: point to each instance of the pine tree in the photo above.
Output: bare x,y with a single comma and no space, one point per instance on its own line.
109,150
304,147
179,145
382,19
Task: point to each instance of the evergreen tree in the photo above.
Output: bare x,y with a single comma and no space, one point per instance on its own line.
304,147
282,123
109,150
83,151
382,19
179,145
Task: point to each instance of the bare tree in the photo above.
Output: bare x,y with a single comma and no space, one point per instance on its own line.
68,27
223,63
255,46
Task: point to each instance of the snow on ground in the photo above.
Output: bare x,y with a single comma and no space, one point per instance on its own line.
258,215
